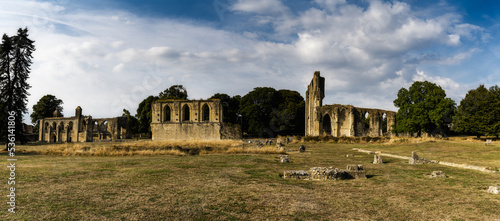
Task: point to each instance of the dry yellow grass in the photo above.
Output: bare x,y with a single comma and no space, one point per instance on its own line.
249,186
177,148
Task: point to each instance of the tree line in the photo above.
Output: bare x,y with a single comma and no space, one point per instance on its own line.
267,112
424,107
264,111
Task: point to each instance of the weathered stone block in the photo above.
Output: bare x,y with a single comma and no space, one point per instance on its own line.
377,159
356,171
284,159
494,189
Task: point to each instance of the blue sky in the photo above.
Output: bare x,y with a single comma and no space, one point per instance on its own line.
109,55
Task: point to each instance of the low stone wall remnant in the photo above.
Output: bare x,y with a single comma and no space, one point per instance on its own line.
327,173
463,166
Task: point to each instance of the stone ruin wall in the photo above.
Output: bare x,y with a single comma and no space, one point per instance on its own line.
81,128
342,120
191,120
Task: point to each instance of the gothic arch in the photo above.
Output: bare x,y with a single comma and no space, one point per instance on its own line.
327,124
167,113
186,113
205,113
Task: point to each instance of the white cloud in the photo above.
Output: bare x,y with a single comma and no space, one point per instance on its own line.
259,6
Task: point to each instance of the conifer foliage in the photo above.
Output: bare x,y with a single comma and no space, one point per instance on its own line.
15,67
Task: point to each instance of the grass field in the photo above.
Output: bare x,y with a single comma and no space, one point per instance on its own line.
241,185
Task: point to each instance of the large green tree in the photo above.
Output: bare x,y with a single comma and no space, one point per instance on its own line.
133,123
144,114
45,107
144,111
423,107
479,112
15,67
267,112
288,118
174,92
230,107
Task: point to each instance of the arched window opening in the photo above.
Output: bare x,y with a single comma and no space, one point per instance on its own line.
384,123
166,114
70,126
104,126
205,113
367,120
186,113
327,124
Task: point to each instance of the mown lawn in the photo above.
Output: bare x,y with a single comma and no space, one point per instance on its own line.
249,186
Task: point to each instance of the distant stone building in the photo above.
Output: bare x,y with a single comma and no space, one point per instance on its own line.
191,120
82,128
342,120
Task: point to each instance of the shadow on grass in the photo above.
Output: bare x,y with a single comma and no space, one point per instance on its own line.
371,176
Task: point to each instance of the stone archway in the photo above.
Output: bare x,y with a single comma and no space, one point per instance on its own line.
327,124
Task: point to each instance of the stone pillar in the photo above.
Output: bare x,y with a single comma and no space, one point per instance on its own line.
41,130
352,122
377,159
391,121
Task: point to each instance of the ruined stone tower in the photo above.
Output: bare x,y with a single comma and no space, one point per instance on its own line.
342,120
314,99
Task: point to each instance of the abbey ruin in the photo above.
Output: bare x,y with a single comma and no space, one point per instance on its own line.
80,128
191,120
342,120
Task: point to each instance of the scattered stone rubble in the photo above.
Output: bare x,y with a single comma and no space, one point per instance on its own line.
437,174
327,173
418,160
494,189
284,159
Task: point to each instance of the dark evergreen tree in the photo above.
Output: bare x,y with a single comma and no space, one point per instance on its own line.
5,83
15,67
45,107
